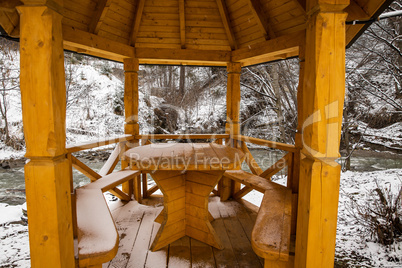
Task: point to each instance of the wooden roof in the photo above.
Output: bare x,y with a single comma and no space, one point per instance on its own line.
203,32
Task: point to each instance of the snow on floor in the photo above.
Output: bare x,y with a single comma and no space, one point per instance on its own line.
356,249
351,249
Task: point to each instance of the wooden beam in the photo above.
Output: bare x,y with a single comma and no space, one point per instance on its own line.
274,49
271,144
98,15
182,24
262,19
245,190
253,165
226,23
6,23
137,21
76,147
88,43
180,136
277,166
355,12
301,4
322,100
84,169
9,5
190,56
47,173
131,126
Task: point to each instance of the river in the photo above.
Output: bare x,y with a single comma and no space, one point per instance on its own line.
12,183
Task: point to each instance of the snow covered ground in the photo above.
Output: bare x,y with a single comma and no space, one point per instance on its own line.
352,250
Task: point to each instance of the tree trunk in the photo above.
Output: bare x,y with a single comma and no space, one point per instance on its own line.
278,104
182,83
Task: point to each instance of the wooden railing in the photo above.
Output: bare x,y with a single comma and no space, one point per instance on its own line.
124,142
289,160
73,148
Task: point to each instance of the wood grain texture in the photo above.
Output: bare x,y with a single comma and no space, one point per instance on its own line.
322,96
48,173
184,156
185,210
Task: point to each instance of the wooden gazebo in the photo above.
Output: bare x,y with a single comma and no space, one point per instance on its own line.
231,33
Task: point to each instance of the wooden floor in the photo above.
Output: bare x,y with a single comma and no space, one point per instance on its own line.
137,228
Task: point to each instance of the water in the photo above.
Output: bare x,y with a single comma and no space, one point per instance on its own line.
12,183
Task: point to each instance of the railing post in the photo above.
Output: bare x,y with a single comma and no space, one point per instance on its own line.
73,196
131,68
227,187
43,97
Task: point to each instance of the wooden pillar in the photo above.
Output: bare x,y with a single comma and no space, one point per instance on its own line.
233,100
320,116
43,95
131,101
227,186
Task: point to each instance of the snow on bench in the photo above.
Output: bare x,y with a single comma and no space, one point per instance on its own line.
256,182
270,238
113,179
98,239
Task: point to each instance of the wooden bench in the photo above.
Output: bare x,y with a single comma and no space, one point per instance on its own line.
98,239
270,237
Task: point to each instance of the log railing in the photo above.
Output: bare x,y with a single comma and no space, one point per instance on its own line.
124,142
289,160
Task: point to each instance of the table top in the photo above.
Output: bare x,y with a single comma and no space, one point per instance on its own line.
184,156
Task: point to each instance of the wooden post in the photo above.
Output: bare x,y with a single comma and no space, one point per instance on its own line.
320,115
131,67
227,187
43,96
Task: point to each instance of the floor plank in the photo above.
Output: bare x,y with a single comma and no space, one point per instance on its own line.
202,255
142,243
225,257
180,253
156,259
137,229
236,210
128,230
241,245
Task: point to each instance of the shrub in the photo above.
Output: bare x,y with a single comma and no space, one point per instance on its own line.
380,216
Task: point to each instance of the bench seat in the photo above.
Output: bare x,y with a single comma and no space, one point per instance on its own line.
256,182
270,238
113,179
98,239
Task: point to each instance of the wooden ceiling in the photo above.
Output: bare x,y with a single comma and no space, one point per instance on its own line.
202,32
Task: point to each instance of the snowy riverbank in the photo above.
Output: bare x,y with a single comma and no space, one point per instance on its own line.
351,248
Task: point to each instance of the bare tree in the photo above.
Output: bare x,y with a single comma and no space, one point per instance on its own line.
9,81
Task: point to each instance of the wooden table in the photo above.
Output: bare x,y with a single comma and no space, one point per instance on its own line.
186,173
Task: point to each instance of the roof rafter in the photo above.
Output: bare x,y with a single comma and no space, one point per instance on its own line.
182,56
99,14
182,24
302,4
137,21
226,23
281,47
9,5
91,44
261,18
355,11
